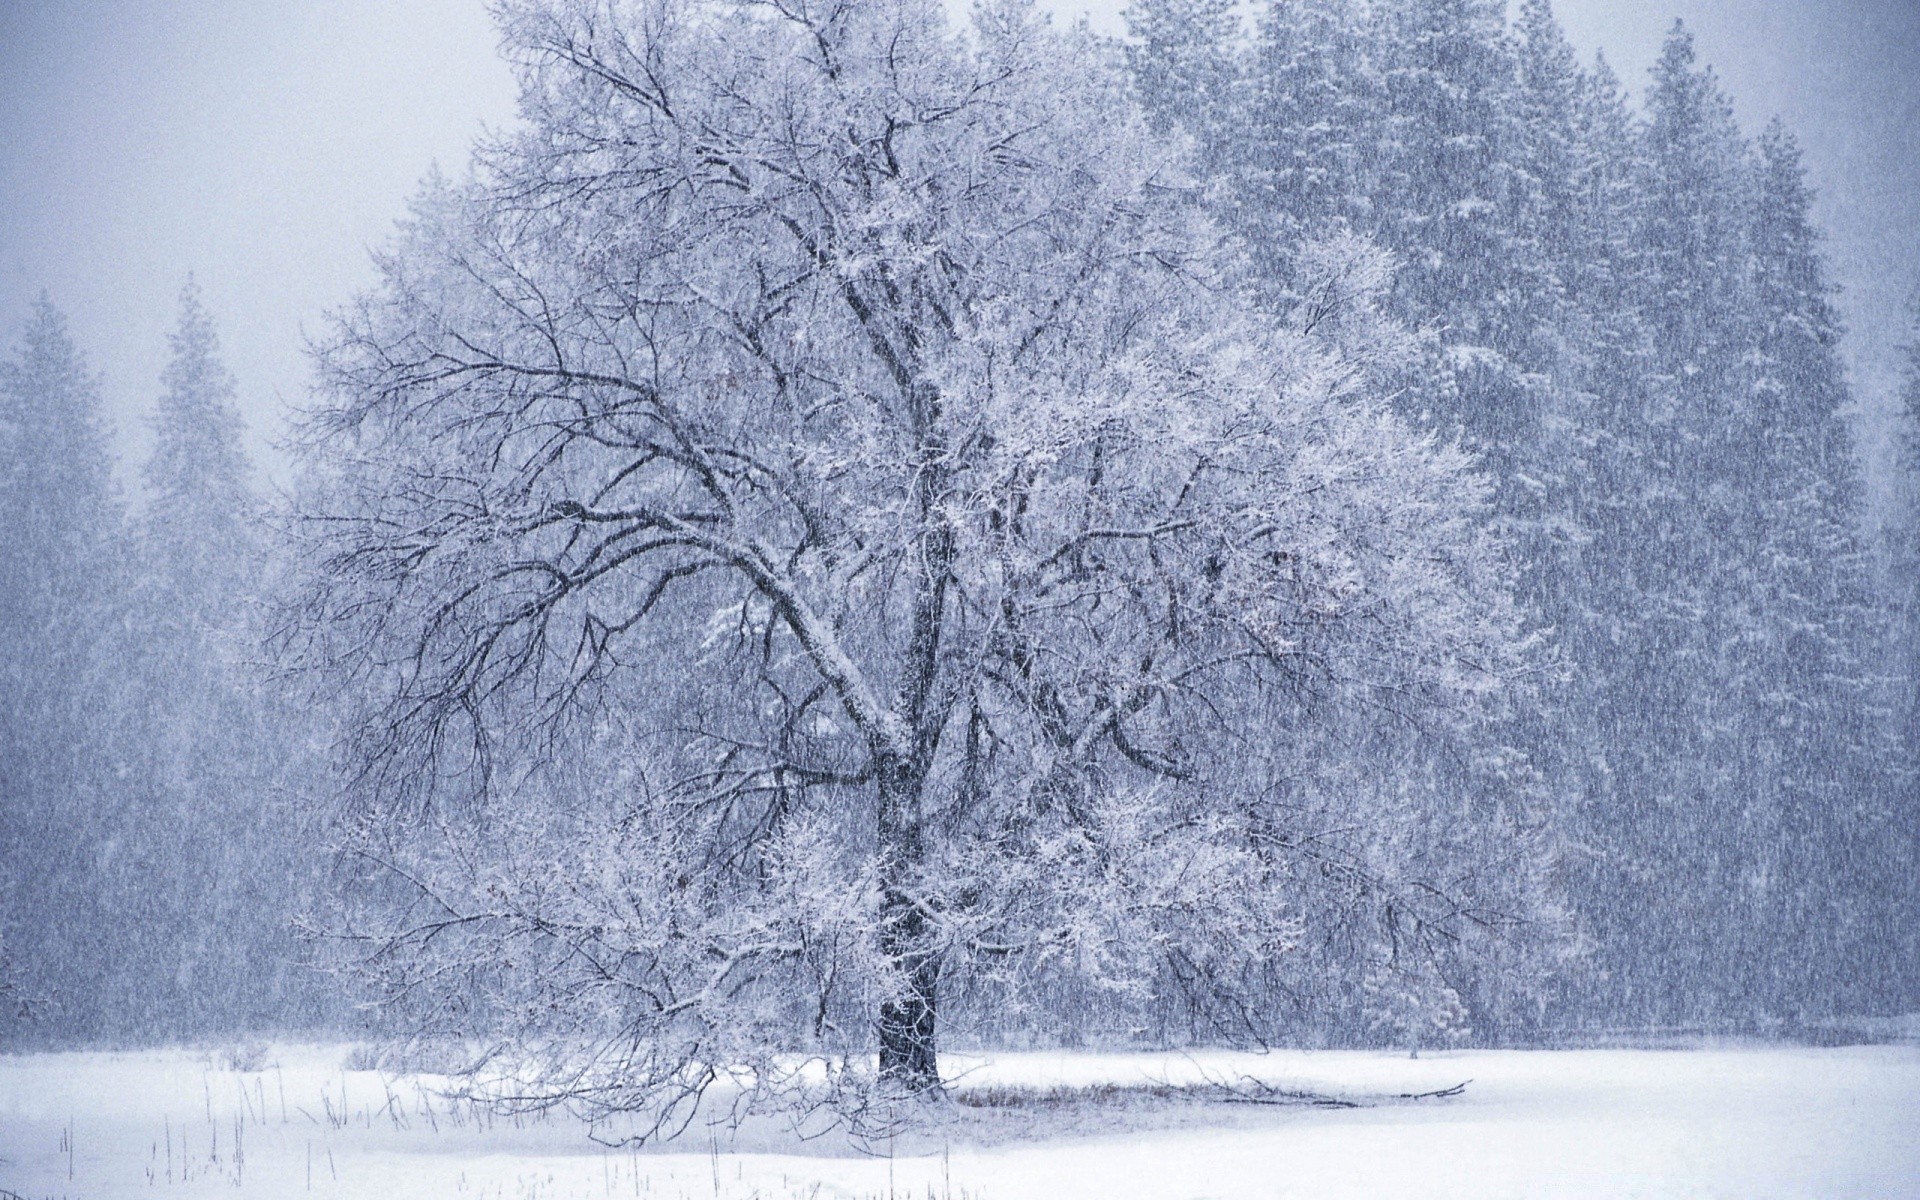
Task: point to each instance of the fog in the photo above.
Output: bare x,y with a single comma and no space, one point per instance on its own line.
268,148
264,148
843,551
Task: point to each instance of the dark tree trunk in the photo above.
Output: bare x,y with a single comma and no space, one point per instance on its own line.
909,1057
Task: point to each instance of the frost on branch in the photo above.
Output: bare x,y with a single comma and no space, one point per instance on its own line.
821,549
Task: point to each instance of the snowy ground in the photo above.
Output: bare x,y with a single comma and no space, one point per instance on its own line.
1741,1122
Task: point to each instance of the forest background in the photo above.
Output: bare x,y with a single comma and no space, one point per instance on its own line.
1626,309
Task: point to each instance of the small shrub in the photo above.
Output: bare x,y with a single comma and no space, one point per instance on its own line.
245,1057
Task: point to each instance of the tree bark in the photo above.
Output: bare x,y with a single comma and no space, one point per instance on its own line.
909,1057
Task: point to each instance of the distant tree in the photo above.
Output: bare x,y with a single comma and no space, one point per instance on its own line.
1628,316
1907,557
1910,384
145,773
1740,730
814,527
61,566
213,865
1447,83
62,510
1549,199
1905,589
1314,108
197,522
1185,66
1823,775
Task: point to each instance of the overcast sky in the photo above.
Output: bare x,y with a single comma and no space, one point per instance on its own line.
267,145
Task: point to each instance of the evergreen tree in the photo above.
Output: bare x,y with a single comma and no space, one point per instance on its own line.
150,860
1446,78
220,850
1184,67
1313,105
61,506
1339,113
59,637
1904,589
1741,727
1906,558
1550,202
1816,781
196,525
1672,721
1640,342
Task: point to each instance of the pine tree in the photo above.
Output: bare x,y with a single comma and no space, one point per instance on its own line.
198,827
1671,721
1312,109
1817,784
1904,590
1446,78
1609,749
60,503
142,765
1574,345
1339,114
60,615
221,853
1547,324
197,518
1906,558
1738,728
1692,194
1549,206
1640,343
1184,67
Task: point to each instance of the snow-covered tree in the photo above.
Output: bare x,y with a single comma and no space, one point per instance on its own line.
62,512
1628,315
144,772
814,525
1906,559
211,861
1184,65
1314,108
196,521
1447,83
1904,588
1824,777
60,563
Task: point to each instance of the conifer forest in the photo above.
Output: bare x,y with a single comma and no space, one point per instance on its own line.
850,533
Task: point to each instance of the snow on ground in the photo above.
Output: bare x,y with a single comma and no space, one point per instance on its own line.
1747,1122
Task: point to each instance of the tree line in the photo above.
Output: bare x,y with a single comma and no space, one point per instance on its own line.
1331,527
1634,324
154,835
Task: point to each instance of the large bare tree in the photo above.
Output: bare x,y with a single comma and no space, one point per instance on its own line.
814,513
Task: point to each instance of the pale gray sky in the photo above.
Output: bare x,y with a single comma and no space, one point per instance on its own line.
264,146
267,146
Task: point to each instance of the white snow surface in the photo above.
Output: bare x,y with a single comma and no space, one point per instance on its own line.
1730,1121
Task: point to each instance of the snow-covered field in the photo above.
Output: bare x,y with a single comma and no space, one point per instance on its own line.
1742,1121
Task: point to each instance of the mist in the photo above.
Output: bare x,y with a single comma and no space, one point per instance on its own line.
1331,583
269,151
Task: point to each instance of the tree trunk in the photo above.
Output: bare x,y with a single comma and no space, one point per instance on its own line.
908,1054
909,1057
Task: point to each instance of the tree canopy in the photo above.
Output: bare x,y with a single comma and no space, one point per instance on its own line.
818,513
